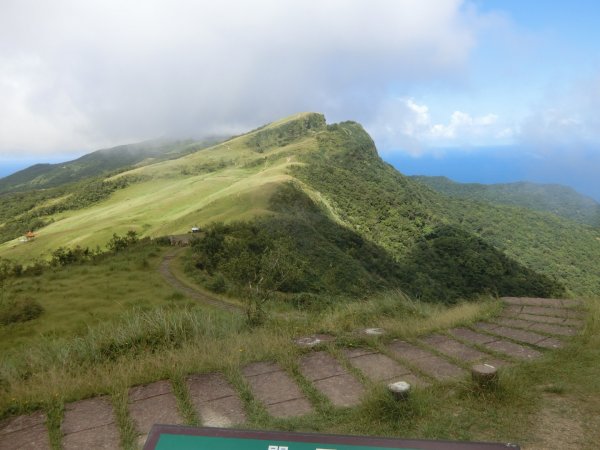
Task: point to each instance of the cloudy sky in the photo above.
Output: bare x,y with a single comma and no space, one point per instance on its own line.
429,79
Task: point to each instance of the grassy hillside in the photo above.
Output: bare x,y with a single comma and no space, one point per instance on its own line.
560,200
413,230
394,211
43,176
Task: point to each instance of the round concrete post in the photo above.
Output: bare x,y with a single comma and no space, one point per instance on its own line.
484,375
400,390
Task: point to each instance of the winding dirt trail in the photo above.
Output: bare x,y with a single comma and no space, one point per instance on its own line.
165,270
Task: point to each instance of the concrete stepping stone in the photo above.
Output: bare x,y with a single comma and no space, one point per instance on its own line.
153,404
520,335
27,432
495,344
273,387
513,322
215,400
538,326
90,423
433,365
553,320
331,379
512,349
549,302
378,367
555,312
471,336
553,329
454,348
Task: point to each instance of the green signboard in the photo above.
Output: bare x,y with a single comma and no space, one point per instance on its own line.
171,437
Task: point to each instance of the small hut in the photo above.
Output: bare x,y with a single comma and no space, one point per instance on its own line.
30,235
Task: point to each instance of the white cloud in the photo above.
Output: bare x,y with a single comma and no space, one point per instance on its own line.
401,124
84,74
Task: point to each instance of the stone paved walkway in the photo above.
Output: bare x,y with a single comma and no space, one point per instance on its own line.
216,402
526,328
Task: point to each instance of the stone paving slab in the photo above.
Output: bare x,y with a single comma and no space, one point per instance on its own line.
355,352
342,390
331,379
513,322
454,348
471,336
550,343
90,423
549,319
433,365
215,400
319,365
512,349
519,335
377,367
546,311
549,302
153,403
27,432
553,329
486,326
279,393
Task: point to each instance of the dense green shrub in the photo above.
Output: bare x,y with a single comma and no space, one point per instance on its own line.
19,311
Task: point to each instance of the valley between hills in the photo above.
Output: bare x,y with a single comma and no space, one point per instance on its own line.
303,231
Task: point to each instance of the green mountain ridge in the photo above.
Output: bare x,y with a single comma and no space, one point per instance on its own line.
363,227
43,176
554,198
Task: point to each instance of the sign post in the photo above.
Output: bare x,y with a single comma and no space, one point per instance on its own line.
171,437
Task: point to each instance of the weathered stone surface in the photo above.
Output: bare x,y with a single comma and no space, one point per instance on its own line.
215,400
555,312
554,329
24,433
331,379
149,390
90,423
528,337
408,351
104,437
512,349
354,352
553,320
485,375
319,365
548,302
221,412
341,390
471,336
454,348
378,367
290,408
276,390
313,340
439,368
486,326
512,322
153,404
431,364
550,343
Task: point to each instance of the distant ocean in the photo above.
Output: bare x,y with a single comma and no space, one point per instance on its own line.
505,165
8,167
